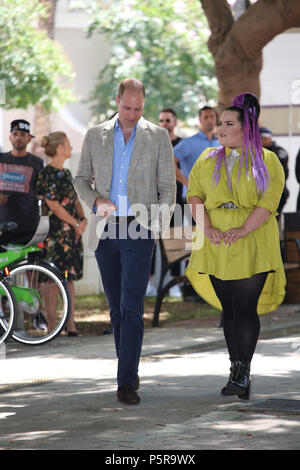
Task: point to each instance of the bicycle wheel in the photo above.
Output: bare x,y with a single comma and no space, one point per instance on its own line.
43,303
8,306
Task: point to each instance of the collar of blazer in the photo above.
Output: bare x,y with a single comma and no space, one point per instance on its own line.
109,125
107,132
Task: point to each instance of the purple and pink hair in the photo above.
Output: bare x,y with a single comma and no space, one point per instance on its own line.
248,107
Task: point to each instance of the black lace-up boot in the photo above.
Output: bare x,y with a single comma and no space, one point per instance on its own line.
241,379
229,388
239,382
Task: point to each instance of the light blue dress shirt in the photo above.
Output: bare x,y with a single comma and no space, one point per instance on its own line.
121,164
189,149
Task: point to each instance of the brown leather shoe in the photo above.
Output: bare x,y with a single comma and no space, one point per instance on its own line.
127,395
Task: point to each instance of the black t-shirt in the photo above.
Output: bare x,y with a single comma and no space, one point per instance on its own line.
283,158
178,185
18,176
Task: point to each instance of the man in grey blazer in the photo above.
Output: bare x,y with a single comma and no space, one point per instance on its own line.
126,175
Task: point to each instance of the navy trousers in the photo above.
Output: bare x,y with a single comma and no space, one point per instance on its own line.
125,264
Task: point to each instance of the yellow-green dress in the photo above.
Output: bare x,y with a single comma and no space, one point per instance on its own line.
259,251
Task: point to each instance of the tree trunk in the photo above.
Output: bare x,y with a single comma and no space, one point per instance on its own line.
42,124
237,46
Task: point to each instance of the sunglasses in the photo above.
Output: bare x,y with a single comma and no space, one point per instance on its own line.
165,120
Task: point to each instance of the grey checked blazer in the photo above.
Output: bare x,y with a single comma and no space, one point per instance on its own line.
151,178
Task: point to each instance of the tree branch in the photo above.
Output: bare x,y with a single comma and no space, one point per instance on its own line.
263,21
237,45
220,20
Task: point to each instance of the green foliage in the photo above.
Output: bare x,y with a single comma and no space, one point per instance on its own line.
32,66
163,44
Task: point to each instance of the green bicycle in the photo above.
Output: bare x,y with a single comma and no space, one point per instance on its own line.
34,281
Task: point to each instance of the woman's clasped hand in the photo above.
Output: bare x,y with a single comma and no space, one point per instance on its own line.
216,236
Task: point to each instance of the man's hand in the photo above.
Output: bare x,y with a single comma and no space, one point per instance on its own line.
3,199
105,207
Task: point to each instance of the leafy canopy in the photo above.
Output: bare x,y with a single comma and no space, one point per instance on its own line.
161,43
32,66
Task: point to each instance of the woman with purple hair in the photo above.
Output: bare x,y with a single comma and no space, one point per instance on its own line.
239,267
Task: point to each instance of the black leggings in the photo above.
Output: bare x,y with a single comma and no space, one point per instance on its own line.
241,323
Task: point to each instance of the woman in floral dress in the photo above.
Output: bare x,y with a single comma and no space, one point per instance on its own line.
67,221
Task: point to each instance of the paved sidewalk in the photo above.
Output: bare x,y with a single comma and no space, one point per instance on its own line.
63,395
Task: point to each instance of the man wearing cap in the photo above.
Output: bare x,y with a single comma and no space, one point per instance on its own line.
18,175
268,142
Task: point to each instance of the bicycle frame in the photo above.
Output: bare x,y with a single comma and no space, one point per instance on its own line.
9,259
29,277
18,254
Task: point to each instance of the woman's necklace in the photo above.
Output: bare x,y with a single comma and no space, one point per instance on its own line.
231,159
